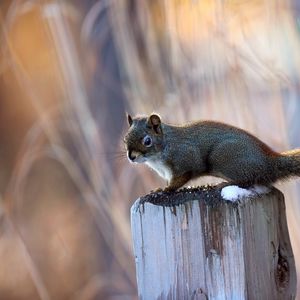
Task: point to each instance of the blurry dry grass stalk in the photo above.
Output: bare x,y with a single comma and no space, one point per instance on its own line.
235,61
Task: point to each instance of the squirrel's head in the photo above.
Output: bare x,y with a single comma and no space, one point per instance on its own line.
144,138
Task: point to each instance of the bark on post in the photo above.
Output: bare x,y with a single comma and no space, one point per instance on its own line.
209,248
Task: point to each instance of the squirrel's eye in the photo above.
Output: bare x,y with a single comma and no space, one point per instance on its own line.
147,141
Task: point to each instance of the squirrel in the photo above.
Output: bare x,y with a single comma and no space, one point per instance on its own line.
181,153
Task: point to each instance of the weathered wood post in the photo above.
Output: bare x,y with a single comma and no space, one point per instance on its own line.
195,245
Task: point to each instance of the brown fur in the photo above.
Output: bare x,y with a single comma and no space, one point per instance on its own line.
209,148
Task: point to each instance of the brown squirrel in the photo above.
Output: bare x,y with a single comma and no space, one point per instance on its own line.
180,153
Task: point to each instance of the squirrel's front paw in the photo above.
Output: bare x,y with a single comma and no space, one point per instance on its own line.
169,189
156,191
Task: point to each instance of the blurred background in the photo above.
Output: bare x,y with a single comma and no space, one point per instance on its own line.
69,70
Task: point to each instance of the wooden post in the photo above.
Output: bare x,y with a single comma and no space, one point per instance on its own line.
192,244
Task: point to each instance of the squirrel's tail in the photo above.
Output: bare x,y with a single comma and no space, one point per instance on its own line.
288,164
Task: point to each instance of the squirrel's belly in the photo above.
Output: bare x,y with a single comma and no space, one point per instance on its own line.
160,168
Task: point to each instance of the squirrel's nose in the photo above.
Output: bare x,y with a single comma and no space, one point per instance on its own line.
131,155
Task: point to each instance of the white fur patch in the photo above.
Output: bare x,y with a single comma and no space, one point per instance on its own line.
160,168
234,193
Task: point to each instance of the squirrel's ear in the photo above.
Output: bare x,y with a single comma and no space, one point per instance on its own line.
129,119
155,123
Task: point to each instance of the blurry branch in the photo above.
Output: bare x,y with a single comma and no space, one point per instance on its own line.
32,267
23,78
94,285
73,81
88,137
90,19
139,53
24,81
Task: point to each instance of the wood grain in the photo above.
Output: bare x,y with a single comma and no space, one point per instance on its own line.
214,249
